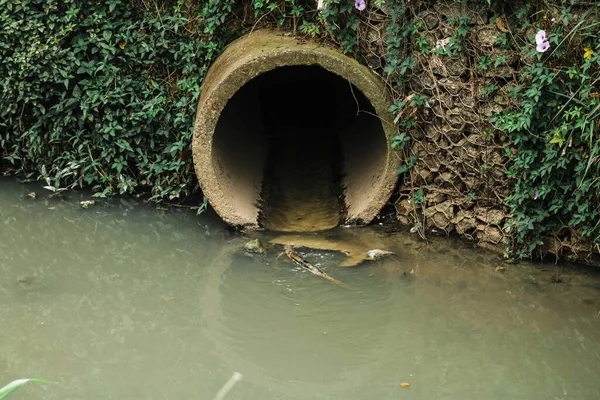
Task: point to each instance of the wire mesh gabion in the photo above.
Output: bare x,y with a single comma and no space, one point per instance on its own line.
462,160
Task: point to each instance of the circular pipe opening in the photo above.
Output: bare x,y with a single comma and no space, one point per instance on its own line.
293,136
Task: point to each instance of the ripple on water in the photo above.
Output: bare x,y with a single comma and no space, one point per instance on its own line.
148,305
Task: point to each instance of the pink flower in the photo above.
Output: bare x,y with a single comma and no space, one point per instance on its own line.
542,47
540,37
542,41
360,4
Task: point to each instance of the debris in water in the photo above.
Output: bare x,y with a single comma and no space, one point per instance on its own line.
412,272
353,250
254,246
405,384
295,257
87,203
376,254
30,283
354,246
32,195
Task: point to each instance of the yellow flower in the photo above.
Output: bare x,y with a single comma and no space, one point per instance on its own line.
587,53
123,44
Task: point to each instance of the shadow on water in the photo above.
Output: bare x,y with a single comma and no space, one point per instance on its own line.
122,301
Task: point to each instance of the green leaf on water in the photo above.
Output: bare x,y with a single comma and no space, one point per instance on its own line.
14,385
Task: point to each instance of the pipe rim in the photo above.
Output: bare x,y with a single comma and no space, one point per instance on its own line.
236,66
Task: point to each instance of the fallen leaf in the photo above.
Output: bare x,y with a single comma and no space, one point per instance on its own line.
32,195
404,384
501,25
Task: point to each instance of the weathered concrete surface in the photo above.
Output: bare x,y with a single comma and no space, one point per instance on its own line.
230,145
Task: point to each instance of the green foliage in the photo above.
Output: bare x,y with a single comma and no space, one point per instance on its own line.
410,163
341,21
309,28
418,196
399,34
104,94
554,130
101,94
14,385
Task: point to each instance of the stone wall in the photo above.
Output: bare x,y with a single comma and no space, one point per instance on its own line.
462,160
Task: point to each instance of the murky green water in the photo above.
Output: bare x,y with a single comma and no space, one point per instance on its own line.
121,301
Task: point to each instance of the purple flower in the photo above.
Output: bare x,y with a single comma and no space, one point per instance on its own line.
540,37
542,47
542,41
360,4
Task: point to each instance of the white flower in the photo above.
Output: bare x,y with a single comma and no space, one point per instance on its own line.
542,47
540,37
542,41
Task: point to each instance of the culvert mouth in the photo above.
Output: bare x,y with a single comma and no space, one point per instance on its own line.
293,136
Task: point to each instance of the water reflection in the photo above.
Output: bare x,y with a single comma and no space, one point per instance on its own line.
294,340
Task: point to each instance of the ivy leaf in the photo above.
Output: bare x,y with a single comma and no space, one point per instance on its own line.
558,139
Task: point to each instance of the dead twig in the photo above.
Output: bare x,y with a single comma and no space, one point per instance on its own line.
296,258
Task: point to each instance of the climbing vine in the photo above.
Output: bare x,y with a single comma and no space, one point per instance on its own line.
554,128
103,94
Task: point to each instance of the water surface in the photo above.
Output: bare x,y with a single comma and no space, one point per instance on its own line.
122,301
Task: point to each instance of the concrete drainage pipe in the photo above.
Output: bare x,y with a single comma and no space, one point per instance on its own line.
276,109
